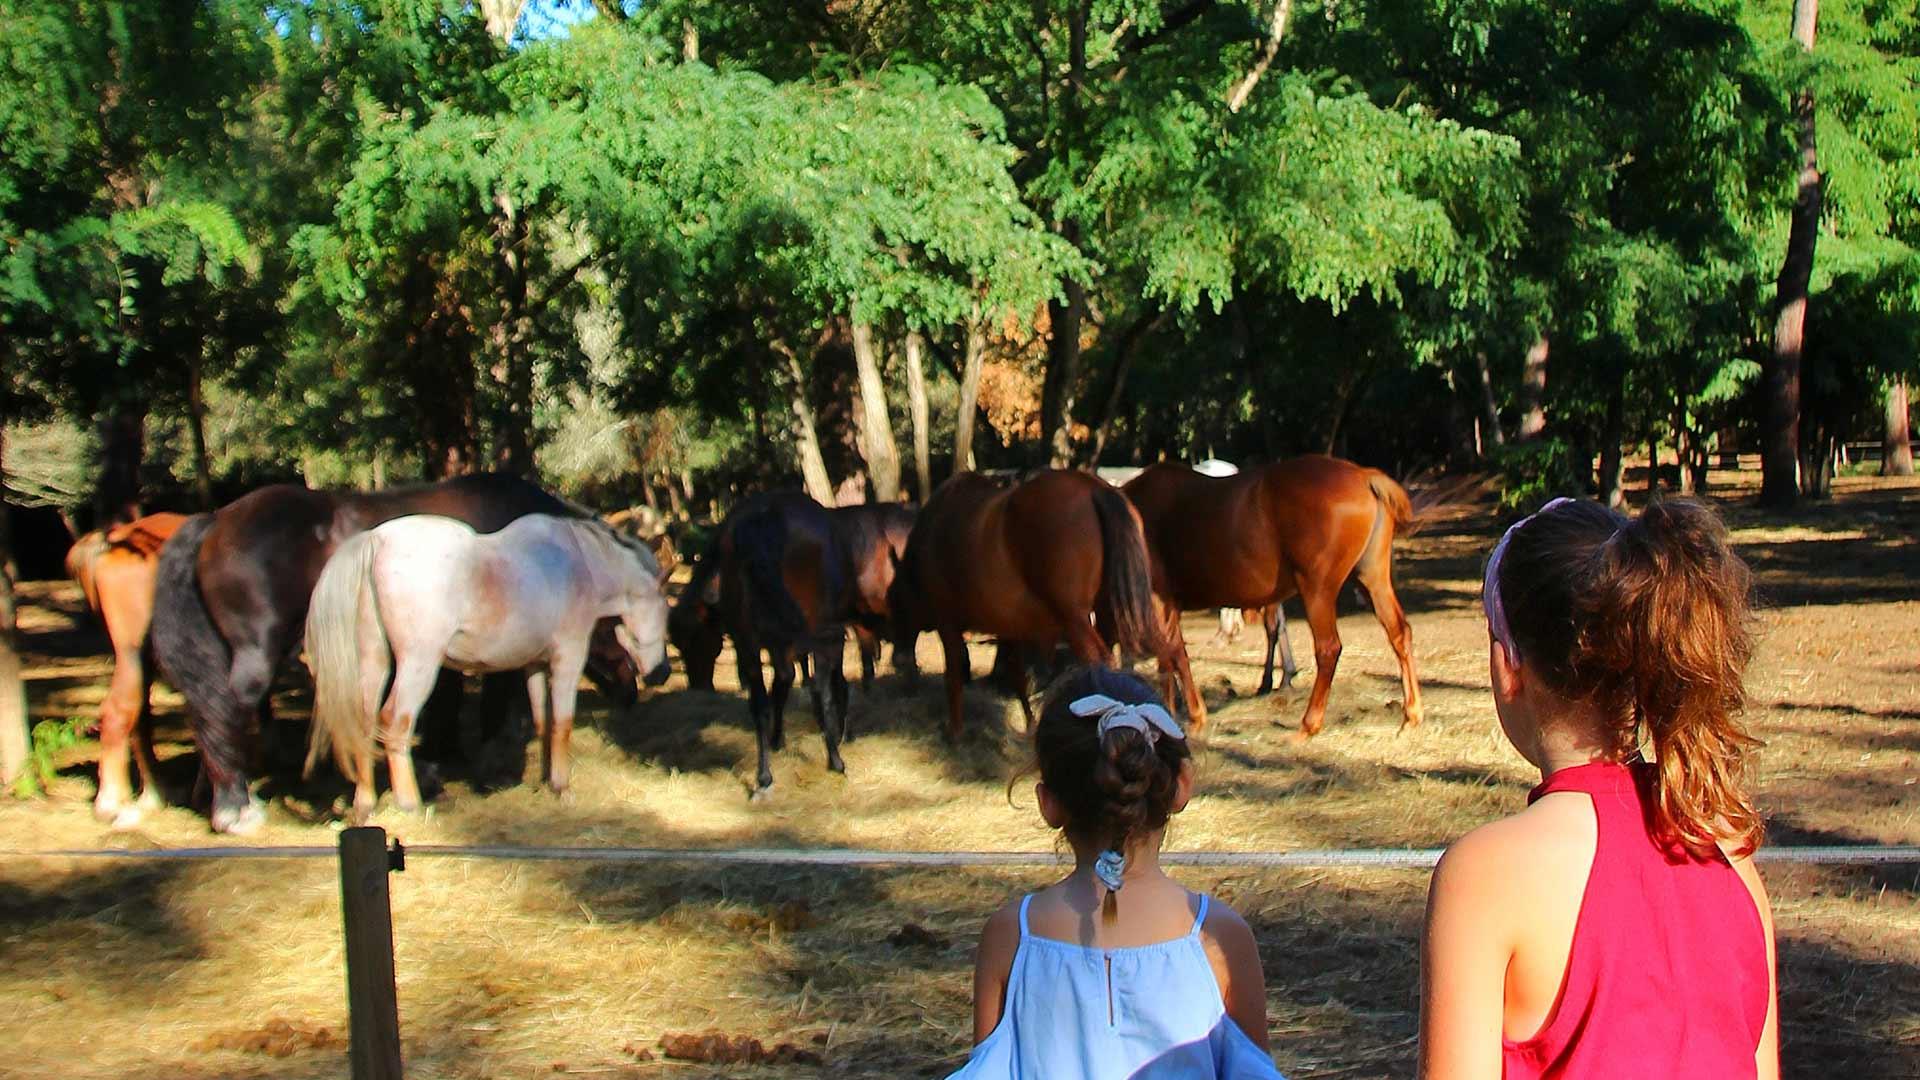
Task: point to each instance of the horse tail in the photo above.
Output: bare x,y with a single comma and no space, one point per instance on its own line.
1392,497
1126,576
344,590
760,543
189,649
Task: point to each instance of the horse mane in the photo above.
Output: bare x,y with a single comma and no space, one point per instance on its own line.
607,534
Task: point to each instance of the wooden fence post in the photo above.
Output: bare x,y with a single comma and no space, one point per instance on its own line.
372,1004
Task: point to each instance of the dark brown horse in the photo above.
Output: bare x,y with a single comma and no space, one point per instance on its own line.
1034,564
1299,527
777,576
115,570
230,601
874,534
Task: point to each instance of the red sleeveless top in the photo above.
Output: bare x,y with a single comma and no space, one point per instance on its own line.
1667,975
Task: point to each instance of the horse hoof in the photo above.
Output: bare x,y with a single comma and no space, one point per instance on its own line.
761,794
836,765
128,818
564,796
106,811
1302,737
247,821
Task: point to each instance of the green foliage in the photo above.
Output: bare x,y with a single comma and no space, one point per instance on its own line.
51,739
1534,471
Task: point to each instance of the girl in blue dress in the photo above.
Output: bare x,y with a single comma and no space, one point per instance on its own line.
1077,980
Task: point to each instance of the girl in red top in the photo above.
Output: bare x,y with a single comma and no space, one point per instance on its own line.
1616,927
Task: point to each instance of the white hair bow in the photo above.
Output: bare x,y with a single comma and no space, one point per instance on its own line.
1147,718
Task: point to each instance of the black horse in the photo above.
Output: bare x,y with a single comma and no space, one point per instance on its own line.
781,575
230,602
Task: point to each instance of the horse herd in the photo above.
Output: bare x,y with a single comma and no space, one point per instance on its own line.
489,574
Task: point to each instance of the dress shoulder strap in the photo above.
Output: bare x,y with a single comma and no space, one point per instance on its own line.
1024,932
1200,917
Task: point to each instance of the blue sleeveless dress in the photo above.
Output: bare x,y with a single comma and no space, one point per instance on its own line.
1151,1012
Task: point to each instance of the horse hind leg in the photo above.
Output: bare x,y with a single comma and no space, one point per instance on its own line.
1323,619
828,687
754,680
1375,573
783,665
413,682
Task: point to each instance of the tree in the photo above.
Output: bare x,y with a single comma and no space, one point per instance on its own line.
1780,452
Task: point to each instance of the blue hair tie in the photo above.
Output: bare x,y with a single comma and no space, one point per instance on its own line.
1109,867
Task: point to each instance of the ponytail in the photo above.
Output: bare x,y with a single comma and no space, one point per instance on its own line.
1649,620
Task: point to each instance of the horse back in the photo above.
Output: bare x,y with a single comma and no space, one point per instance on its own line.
258,563
488,502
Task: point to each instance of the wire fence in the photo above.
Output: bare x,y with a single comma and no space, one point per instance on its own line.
1303,859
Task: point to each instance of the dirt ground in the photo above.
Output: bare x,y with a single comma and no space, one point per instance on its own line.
233,969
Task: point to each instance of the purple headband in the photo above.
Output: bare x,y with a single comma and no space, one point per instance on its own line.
1490,588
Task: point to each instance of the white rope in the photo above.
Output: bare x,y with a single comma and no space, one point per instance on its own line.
1305,859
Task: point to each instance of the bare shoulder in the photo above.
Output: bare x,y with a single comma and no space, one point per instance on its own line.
1002,929
1225,928
1521,853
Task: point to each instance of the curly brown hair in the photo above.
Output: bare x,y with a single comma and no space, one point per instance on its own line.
1648,619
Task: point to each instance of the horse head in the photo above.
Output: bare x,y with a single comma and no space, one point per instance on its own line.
694,627
906,609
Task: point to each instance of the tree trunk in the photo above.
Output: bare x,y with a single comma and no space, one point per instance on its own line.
969,392
197,428
1533,391
1613,487
502,16
1682,447
123,437
1781,473
1489,409
1122,363
1063,371
1896,450
806,436
13,693
1461,450
511,339
689,41
1653,464
882,454
917,406
1276,30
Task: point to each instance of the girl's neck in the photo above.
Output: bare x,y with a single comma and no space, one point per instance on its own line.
1143,858
1569,745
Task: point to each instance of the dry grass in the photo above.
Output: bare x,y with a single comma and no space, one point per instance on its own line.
234,969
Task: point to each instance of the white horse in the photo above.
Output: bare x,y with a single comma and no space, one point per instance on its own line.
421,592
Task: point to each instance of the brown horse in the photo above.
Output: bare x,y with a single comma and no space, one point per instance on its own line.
1302,526
1058,557
115,569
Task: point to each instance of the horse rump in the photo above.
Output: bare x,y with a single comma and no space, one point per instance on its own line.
1126,576
187,646
760,545
340,723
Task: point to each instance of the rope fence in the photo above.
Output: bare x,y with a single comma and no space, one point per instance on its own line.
1303,859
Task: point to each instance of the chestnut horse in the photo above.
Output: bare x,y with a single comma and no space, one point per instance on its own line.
1302,526
115,569
1034,564
230,601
